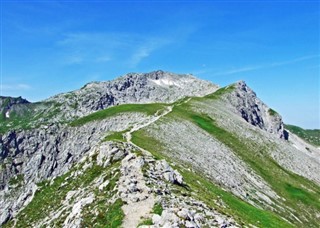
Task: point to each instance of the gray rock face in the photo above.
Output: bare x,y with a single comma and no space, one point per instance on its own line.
254,111
169,174
179,210
157,86
44,153
153,87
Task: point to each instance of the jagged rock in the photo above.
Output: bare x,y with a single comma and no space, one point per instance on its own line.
183,214
5,215
191,224
74,218
109,151
168,217
168,173
254,111
133,191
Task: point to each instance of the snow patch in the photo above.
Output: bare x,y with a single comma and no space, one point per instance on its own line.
165,82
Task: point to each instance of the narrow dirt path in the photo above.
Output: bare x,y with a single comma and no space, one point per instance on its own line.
131,171
128,135
140,203
134,191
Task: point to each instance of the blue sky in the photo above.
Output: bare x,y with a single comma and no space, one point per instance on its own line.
50,47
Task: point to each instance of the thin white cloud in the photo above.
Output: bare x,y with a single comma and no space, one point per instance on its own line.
139,55
103,59
294,60
7,87
266,66
78,48
128,48
73,59
240,70
143,51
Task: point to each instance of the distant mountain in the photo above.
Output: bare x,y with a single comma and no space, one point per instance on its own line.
12,104
311,136
155,150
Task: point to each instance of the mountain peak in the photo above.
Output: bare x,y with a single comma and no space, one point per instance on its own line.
156,86
156,75
246,104
242,86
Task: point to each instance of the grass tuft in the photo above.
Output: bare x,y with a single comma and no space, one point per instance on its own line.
146,222
272,112
157,209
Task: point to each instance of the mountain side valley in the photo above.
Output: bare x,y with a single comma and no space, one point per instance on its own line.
155,149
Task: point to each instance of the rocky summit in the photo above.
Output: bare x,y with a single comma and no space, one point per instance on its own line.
154,149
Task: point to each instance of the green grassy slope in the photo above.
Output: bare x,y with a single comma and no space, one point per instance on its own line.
148,109
37,114
205,190
300,194
287,184
310,136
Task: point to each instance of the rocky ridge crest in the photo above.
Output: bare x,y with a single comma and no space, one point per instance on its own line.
246,103
154,87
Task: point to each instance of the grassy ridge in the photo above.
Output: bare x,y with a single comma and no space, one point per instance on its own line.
284,182
310,136
243,212
149,109
220,92
299,193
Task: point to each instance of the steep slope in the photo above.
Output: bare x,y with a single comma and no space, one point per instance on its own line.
206,135
245,102
220,160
